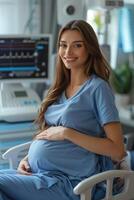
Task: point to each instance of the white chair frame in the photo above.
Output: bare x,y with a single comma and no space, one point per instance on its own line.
84,188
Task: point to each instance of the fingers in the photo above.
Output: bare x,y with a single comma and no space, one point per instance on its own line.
24,172
42,135
24,168
27,167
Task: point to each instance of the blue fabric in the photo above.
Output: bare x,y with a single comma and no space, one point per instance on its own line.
126,30
14,186
87,111
4,196
132,159
58,166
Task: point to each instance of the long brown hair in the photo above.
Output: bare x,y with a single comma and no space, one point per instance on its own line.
96,63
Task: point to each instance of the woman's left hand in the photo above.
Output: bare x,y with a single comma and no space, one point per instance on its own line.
52,133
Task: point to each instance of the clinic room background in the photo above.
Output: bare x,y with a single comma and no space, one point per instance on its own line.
28,35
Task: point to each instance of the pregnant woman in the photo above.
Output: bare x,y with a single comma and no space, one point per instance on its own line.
80,132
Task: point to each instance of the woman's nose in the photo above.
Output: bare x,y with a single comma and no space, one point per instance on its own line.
69,50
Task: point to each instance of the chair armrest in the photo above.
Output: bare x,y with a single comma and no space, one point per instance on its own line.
84,188
14,154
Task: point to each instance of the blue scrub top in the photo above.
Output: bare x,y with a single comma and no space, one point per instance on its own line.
87,111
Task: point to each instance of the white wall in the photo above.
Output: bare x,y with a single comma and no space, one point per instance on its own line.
19,16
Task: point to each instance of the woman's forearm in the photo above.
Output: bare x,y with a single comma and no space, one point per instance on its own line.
102,146
112,145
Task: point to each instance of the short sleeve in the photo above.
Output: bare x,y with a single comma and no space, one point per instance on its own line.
104,104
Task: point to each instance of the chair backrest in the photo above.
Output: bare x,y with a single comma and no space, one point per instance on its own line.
84,188
15,154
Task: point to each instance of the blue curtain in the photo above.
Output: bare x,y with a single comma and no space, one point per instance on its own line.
126,29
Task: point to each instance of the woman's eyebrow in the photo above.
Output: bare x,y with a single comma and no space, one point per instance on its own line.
73,41
78,41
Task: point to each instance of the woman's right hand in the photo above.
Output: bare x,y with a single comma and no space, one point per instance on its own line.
24,167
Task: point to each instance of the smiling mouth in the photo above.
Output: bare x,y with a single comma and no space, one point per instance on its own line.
70,59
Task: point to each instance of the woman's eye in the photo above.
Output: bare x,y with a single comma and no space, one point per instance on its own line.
78,45
63,45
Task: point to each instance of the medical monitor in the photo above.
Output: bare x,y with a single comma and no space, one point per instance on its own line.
24,57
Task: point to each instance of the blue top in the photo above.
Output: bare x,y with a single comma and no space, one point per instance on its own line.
86,111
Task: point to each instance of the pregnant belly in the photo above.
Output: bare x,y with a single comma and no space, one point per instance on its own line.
62,156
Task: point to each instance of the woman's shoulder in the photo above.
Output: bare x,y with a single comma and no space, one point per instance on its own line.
97,82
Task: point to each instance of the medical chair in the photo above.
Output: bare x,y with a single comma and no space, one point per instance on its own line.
84,188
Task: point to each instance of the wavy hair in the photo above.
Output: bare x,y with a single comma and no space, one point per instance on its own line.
96,63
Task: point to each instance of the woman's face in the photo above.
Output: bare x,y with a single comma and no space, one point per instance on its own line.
72,49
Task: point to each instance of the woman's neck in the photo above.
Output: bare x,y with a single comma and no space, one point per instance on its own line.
77,79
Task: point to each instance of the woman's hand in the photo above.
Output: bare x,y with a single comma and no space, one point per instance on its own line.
52,133
24,167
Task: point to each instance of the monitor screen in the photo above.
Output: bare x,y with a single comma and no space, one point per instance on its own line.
24,57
